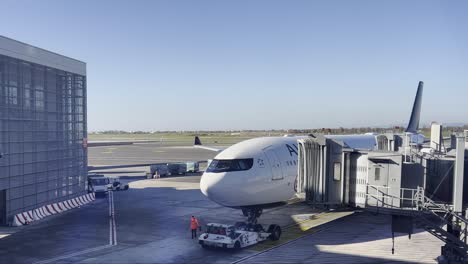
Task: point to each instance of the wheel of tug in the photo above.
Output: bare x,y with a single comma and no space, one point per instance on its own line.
205,246
275,232
237,245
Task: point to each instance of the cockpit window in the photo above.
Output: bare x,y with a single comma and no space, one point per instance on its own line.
230,165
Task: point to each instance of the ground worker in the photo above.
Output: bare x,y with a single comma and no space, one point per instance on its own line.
193,226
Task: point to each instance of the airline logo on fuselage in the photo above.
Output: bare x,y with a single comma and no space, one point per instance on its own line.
292,149
260,163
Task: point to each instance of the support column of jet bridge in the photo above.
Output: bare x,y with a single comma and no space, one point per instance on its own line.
458,176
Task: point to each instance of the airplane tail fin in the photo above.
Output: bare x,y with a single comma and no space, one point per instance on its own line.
197,141
413,125
197,144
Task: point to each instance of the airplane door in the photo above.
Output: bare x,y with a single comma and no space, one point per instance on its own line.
275,165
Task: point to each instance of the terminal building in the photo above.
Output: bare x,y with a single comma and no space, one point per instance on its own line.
43,134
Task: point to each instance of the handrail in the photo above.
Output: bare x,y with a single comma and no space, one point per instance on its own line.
381,195
424,203
417,201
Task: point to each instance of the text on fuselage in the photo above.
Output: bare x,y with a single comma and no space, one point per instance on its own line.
292,149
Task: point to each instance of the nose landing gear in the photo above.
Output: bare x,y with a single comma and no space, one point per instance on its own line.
252,214
273,232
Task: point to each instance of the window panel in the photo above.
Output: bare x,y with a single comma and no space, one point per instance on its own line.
12,72
38,78
12,96
2,69
28,99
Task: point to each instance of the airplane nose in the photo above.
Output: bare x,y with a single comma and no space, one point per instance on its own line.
223,188
210,185
213,186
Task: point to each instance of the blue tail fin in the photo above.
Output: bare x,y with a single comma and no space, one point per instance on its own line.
197,141
413,125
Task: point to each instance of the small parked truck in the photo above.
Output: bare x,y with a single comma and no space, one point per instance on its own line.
239,236
98,184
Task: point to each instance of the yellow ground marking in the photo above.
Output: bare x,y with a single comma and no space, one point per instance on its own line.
300,229
158,151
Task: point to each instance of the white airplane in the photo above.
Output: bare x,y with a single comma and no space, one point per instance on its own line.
261,172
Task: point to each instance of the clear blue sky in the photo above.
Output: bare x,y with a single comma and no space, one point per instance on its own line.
193,65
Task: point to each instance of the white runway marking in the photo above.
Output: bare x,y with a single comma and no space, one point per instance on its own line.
110,220
113,236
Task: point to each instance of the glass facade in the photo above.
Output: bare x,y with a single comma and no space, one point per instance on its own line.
42,134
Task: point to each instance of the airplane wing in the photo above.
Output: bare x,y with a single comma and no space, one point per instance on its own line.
198,144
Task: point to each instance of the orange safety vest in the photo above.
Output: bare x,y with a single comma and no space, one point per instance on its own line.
193,223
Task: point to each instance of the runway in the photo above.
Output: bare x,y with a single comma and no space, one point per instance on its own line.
144,153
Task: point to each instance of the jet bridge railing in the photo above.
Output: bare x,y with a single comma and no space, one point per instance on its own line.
379,196
408,199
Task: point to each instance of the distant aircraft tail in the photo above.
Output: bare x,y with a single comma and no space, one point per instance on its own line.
197,141
197,144
413,125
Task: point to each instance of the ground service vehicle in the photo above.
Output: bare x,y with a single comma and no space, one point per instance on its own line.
239,236
160,170
192,166
98,184
117,185
177,168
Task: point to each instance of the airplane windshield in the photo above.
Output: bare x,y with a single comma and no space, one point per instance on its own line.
230,165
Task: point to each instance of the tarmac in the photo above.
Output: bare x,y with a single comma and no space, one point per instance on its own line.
150,222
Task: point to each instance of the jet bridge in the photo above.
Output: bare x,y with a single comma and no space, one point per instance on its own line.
426,187
331,173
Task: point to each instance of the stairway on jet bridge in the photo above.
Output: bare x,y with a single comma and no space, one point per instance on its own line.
433,217
438,219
